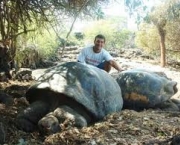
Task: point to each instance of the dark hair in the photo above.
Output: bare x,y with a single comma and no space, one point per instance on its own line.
100,36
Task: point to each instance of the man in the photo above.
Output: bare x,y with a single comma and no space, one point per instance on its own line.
97,56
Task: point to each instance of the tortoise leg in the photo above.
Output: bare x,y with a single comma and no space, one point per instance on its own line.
51,122
176,101
28,119
6,99
66,113
168,105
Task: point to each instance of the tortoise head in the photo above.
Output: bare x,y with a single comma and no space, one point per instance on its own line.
171,87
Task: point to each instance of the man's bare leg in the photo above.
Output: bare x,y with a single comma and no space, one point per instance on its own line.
107,66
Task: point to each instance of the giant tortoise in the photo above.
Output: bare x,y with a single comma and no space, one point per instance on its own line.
143,89
72,91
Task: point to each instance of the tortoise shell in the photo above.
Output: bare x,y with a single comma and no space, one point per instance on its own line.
145,89
86,85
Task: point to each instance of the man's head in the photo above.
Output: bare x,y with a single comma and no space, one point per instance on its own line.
99,42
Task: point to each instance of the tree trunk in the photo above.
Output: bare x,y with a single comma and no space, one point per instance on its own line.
4,63
13,53
7,54
162,46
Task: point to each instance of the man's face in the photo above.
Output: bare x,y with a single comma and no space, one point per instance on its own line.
98,44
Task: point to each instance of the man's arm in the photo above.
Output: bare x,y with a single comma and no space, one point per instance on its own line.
115,65
111,61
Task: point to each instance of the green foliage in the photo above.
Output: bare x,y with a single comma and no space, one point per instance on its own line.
99,13
79,35
172,36
18,16
174,9
147,38
44,42
134,5
172,26
113,29
166,19
138,9
71,42
76,40
172,40
47,45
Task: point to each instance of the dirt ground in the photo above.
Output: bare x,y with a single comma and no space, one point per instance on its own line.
128,127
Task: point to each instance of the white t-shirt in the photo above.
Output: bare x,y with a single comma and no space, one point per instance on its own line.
88,56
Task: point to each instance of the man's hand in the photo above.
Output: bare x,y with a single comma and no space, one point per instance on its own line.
115,65
120,70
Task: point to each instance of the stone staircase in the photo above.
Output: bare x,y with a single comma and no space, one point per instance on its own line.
69,53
